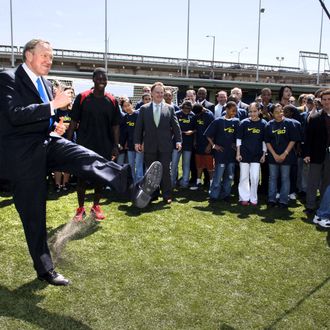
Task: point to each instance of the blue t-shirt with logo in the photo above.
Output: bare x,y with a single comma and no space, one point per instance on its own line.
279,134
129,124
223,132
252,134
186,122
201,122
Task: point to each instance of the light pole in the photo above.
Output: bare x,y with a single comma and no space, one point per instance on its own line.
261,10
320,48
280,59
188,26
238,53
12,35
209,36
106,36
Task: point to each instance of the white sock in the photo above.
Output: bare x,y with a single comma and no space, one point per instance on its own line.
199,181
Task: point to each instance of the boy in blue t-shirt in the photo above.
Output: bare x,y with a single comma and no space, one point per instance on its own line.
61,178
280,136
203,157
251,150
221,134
185,117
135,159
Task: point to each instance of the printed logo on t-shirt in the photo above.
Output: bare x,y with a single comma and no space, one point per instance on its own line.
229,130
254,130
130,123
200,121
185,121
279,131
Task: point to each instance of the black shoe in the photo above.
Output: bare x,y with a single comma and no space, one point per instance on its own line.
309,211
167,200
58,188
148,185
283,206
54,278
271,204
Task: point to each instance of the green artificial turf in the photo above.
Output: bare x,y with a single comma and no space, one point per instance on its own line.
190,265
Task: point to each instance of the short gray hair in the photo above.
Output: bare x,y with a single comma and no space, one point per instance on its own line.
31,45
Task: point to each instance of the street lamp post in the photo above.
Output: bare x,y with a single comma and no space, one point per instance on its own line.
209,36
320,48
106,36
188,27
280,59
12,35
261,10
238,53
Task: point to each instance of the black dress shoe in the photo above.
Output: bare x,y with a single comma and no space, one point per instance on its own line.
54,278
167,200
283,206
148,185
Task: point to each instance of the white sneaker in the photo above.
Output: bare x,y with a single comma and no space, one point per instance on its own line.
324,223
293,196
316,219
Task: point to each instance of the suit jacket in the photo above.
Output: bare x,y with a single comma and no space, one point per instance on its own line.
157,138
242,105
316,138
208,105
24,125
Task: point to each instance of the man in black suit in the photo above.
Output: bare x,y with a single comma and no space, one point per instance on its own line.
155,125
29,150
236,91
317,147
201,99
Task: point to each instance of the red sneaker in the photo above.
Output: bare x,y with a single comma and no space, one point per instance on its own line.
97,212
80,214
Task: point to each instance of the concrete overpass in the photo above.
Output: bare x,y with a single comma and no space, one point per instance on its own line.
148,69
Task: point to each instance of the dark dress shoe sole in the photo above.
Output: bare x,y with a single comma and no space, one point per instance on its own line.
149,185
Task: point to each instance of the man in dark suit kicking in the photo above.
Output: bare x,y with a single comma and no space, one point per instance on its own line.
29,149
154,128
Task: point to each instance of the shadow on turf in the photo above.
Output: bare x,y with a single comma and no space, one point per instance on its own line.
6,202
244,212
274,324
22,304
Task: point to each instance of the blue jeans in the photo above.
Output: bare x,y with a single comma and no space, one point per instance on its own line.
222,180
274,171
186,156
324,209
135,159
121,159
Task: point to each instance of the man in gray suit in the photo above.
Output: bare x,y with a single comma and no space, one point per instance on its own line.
156,131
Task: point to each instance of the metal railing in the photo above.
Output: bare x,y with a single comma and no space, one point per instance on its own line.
67,54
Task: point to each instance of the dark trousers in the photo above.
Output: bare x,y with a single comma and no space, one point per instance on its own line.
318,178
30,194
165,159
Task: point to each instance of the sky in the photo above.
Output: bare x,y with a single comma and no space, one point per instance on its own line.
159,28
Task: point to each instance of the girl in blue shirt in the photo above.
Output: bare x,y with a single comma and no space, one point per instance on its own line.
251,150
221,134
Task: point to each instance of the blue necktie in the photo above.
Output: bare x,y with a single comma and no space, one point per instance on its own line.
42,92
44,98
